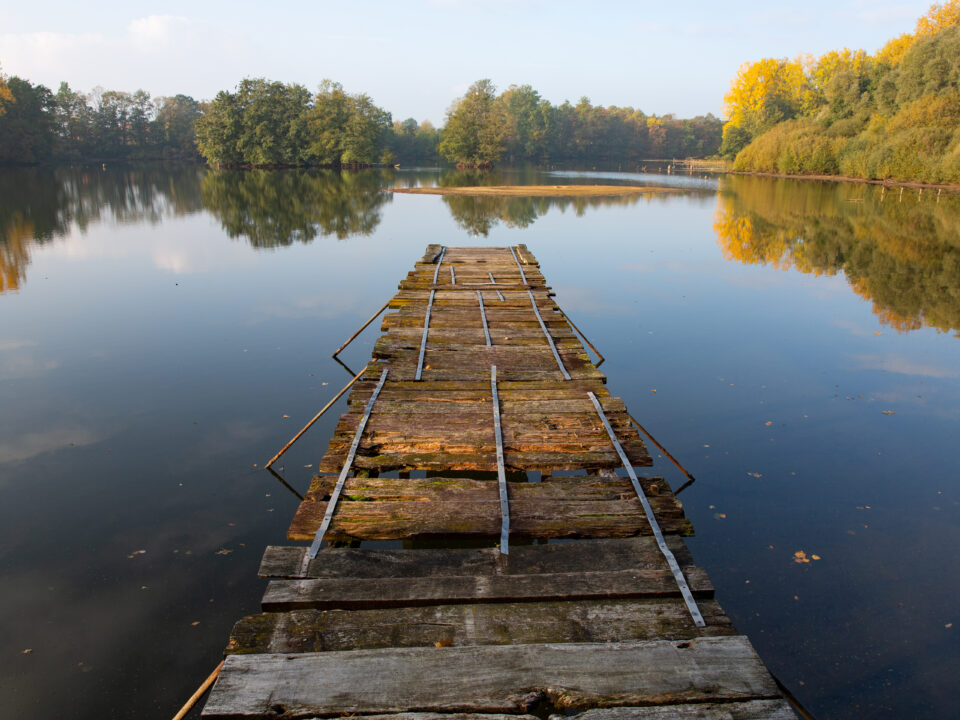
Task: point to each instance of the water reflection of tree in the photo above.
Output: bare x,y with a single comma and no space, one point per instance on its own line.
38,205
902,254
274,208
478,215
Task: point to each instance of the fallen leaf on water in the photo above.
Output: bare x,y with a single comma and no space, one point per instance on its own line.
653,390
800,557
889,412
442,643
195,623
30,650
223,551
323,383
285,417
719,516
948,625
768,423
815,557
877,332
136,552
756,475
309,466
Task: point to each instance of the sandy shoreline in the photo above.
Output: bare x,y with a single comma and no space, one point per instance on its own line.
537,190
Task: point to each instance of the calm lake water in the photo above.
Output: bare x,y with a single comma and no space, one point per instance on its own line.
164,332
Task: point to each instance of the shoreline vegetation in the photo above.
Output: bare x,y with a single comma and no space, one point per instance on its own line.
953,188
891,116
537,190
266,124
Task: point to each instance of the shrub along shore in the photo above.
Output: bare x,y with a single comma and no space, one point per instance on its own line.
893,115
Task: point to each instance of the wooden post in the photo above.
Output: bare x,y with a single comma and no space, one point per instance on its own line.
199,693
362,328
577,330
663,450
315,418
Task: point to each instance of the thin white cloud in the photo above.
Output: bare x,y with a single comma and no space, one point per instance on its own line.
24,446
16,344
904,366
154,52
158,31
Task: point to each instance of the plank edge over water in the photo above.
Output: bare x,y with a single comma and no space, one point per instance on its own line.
572,676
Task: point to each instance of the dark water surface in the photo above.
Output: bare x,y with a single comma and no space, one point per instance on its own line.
162,333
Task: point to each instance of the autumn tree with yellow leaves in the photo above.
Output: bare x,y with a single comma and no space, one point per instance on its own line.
888,115
5,95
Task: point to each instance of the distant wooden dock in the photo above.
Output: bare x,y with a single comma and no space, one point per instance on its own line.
505,441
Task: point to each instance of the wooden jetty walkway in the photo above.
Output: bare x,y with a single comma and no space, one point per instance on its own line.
532,572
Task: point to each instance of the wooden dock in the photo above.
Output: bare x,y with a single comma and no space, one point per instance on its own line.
532,573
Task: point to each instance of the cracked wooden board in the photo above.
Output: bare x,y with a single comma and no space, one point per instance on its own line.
502,679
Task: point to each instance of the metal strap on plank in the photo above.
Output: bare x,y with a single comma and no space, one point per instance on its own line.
543,326
499,294
517,261
501,472
651,518
426,331
436,271
348,463
483,316
453,276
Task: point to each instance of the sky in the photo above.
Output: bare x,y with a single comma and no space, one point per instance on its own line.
416,56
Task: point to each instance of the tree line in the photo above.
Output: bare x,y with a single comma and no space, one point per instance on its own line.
265,123
40,126
894,114
520,126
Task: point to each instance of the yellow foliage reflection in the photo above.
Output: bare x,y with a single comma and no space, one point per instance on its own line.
900,252
14,253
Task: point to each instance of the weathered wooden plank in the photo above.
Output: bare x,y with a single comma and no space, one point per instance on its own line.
581,556
449,716
480,443
354,593
750,710
532,404
508,678
300,631
445,461
572,489
428,387
431,253
400,520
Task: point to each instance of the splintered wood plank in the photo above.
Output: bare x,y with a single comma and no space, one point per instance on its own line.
281,561
489,679
300,631
584,488
354,593
388,520
392,509
750,710
428,388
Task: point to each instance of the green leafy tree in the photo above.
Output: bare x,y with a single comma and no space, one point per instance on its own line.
475,129
26,126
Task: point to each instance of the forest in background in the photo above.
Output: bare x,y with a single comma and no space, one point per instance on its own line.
891,115
265,123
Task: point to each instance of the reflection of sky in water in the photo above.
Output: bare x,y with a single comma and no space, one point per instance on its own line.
145,368
676,178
